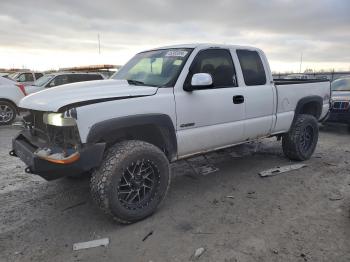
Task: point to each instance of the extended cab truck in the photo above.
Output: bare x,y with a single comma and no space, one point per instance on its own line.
163,105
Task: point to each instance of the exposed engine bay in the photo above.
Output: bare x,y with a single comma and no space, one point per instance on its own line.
59,144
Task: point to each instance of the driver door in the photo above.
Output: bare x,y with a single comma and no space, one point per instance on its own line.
210,117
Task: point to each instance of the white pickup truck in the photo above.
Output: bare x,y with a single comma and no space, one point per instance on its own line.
164,105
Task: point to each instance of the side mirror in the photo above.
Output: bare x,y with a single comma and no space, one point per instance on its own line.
201,80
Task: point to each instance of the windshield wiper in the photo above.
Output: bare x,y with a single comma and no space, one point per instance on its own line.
135,82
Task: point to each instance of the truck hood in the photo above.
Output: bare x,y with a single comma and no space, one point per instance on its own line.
83,93
341,95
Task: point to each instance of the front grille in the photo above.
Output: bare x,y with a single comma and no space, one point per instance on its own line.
341,105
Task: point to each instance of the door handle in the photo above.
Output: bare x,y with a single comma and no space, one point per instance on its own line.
238,99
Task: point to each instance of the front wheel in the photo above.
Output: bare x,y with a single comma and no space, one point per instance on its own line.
301,140
7,112
132,181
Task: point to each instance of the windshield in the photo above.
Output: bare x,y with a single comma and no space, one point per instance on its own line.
43,80
341,84
154,68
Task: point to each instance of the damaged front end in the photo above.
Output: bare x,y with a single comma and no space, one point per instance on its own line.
50,146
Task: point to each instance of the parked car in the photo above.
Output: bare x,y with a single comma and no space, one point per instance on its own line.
164,105
62,78
4,75
340,111
25,78
10,95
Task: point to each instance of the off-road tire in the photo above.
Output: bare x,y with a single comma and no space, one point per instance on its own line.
10,106
292,142
106,180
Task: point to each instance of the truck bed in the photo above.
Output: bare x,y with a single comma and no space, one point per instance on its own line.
290,91
280,81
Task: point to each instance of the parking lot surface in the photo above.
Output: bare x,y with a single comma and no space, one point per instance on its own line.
233,213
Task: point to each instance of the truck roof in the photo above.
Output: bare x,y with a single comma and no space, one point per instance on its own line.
207,45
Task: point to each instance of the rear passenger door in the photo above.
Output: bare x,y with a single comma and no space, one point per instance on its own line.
259,94
209,117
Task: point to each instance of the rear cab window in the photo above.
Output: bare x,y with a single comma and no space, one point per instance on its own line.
252,67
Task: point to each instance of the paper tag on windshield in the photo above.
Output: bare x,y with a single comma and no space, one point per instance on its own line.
174,53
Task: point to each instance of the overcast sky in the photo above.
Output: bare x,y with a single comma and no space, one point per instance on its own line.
44,34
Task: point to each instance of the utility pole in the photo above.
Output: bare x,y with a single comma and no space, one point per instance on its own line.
301,62
99,44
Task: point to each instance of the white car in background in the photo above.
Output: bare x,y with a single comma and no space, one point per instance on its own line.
11,93
3,74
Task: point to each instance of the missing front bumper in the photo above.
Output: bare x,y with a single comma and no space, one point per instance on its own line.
22,146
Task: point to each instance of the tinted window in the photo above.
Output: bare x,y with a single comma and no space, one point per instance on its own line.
21,78
88,77
74,78
216,62
95,77
252,67
29,77
59,80
38,75
83,77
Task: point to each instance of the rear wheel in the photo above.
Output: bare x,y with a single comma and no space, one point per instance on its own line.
301,140
7,112
132,181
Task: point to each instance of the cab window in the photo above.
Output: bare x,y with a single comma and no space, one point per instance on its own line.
218,63
252,67
25,77
38,75
58,80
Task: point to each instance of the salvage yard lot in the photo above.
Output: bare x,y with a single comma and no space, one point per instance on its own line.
234,214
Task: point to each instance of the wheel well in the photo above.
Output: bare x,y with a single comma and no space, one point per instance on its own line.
149,133
310,106
156,129
12,103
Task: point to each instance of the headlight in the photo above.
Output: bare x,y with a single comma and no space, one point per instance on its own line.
60,119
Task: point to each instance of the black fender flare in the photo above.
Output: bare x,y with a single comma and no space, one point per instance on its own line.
307,100
141,127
